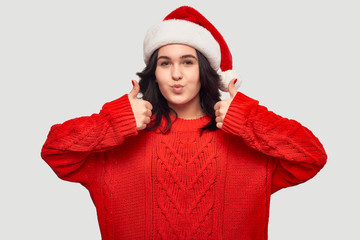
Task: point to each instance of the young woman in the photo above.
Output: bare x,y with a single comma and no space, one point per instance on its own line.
180,163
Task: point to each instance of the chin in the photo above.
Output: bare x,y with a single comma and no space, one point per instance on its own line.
181,102
177,103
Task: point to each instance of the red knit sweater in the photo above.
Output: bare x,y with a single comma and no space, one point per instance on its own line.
183,185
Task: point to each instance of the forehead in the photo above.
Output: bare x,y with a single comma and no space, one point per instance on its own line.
176,50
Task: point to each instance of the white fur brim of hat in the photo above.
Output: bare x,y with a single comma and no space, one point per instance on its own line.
182,32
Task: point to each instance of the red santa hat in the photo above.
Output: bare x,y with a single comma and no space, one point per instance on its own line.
185,25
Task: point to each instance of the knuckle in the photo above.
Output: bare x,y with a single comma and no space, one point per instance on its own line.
147,120
143,103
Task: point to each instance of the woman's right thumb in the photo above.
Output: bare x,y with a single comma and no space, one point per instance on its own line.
136,88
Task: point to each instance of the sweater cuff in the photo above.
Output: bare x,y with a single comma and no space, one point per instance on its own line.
238,113
122,117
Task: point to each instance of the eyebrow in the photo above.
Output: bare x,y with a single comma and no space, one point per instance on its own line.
182,57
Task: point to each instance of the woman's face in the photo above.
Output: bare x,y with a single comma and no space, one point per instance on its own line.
177,74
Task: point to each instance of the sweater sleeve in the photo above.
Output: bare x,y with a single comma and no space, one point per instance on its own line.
69,144
297,152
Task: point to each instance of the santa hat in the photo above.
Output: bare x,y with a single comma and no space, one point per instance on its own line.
185,25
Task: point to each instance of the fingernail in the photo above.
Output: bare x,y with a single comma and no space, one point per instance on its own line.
235,81
132,81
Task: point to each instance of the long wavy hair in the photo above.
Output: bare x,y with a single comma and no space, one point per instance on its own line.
209,93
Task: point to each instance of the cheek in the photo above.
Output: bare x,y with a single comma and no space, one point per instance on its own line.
196,80
160,75
198,87
159,80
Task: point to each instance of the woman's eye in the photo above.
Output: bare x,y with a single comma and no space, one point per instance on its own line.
188,62
164,63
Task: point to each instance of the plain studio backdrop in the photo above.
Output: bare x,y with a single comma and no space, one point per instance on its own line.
65,59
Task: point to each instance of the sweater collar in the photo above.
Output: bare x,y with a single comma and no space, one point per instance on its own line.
183,125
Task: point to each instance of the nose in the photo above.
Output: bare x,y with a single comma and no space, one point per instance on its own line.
176,73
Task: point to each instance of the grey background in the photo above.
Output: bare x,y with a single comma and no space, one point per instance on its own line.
64,59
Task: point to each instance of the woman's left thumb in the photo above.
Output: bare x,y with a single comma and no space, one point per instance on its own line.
232,88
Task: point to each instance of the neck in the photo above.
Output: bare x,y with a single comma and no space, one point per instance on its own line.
187,111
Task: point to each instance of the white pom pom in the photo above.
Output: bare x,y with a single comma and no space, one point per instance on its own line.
226,77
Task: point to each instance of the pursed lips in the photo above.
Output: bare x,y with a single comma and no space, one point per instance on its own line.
177,88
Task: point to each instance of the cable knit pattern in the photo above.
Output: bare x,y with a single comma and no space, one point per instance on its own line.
181,184
276,136
184,177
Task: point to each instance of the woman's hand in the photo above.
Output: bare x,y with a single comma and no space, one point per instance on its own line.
222,107
141,108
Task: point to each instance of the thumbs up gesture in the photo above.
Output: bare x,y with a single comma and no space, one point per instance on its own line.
222,107
141,108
